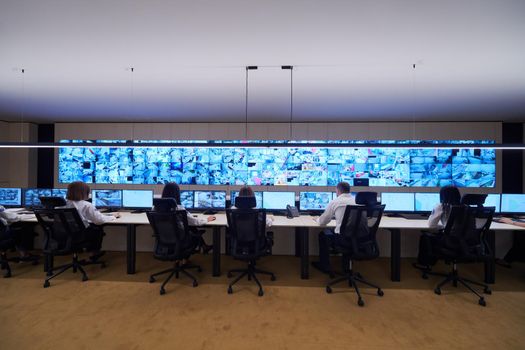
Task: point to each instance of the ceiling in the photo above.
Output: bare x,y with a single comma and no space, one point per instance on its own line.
353,60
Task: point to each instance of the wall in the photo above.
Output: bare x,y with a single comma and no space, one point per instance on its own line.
18,165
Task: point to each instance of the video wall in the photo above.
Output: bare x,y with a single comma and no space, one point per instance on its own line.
274,166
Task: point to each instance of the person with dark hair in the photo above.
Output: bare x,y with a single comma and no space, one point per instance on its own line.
247,191
172,190
428,243
335,209
76,197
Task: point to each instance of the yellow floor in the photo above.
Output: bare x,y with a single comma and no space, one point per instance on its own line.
116,311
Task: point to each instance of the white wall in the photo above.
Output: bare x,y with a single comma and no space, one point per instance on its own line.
18,165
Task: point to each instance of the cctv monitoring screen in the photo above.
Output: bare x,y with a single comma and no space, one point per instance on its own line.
32,195
278,200
11,197
210,200
137,199
314,200
106,198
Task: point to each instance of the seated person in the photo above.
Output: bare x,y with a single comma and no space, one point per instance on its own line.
77,196
172,190
336,208
448,196
17,231
247,191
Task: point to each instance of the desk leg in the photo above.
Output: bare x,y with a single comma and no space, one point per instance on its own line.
395,255
490,264
297,243
131,252
227,247
216,251
304,245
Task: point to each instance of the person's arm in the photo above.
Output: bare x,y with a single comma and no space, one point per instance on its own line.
193,221
327,215
9,217
96,217
435,217
509,221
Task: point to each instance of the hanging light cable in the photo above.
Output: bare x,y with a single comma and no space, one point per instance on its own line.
246,111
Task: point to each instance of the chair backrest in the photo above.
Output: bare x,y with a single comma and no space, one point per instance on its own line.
247,229
359,228
164,205
62,227
476,199
172,236
52,202
242,202
366,198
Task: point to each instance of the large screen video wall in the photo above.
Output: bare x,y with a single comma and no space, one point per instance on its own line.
274,166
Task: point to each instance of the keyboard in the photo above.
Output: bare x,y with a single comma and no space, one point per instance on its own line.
414,216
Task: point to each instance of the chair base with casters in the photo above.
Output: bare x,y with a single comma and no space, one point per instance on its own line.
75,265
454,278
175,271
352,278
251,272
5,260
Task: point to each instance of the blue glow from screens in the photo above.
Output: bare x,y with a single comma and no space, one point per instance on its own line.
137,199
11,197
278,200
426,201
31,195
210,199
314,200
186,199
266,166
107,198
513,203
493,200
258,198
398,201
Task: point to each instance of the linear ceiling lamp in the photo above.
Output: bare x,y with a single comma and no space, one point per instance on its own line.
248,68
290,68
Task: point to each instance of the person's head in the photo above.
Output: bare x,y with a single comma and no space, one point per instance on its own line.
449,195
77,191
171,190
342,187
246,191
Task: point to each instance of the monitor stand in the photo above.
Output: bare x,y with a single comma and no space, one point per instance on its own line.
209,212
138,211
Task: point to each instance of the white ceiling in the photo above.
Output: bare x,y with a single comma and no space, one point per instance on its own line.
352,60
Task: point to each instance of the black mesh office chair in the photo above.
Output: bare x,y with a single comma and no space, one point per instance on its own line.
366,198
357,241
173,242
474,199
64,234
464,242
248,241
52,202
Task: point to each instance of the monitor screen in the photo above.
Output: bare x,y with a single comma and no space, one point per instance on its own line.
210,199
397,201
493,200
186,199
513,203
107,198
314,200
426,201
278,200
31,195
258,198
137,198
11,197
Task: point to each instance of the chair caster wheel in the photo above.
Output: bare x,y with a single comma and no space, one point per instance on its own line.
103,265
230,275
482,302
195,284
487,291
380,292
261,293
328,289
199,269
424,276
230,290
272,278
46,284
360,302
162,291
151,280
437,291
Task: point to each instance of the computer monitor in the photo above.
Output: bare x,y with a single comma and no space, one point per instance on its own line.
314,200
186,199
107,198
278,200
398,201
11,197
425,202
137,199
258,198
210,200
493,200
32,195
513,203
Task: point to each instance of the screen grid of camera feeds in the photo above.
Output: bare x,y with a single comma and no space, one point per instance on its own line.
32,195
210,199
263,166
314,200
107,198
11,197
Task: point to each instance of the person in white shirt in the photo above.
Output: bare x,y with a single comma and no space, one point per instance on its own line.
77,196
335,209
448,196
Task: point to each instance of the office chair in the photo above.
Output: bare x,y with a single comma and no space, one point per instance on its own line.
164,205
64,234
248,242
464,242
52,202
7,243
245,202
366,198
173,242
473,199
357,241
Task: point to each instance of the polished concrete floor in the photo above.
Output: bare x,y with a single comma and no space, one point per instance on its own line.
117,311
